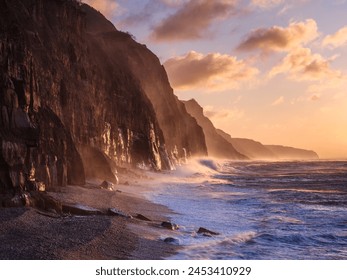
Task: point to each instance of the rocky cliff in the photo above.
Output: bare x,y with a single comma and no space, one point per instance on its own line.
77,94
180,130
221,144
217,146
256,150
250,148
290,153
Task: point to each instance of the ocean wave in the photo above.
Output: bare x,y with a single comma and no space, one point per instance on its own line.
305,190
283,240
216,247
210,164
262,210
284,219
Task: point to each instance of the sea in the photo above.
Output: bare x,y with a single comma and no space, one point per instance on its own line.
285,210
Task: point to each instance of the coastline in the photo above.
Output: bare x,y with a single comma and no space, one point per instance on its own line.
28,233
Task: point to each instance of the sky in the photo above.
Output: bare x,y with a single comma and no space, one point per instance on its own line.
270,70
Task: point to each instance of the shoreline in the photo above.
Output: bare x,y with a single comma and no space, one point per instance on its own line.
30,234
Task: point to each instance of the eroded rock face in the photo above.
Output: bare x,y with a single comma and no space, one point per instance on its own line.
256,150
248,147
181,131
217,146
290,153
63,86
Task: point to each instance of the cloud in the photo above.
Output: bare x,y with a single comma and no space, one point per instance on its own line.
266,4
107,7
173,3
291,4
148,13
336,40
278,101
315,97
193,19
143,15
284,10
302,65
280,39
209,72
217,114
307,97
335,86
283,5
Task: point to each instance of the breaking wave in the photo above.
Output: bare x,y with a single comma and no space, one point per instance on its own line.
261,210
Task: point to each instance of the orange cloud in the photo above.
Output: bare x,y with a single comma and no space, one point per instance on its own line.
281,39
278,101
210,72
336,85
301,64
314,97
192,20
217,114
336,40
107,7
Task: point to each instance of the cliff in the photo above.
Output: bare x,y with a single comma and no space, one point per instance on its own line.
221,144
249,147
180,130
217,146
256,150
76,94
290,153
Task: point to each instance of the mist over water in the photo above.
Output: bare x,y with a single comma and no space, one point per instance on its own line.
262,210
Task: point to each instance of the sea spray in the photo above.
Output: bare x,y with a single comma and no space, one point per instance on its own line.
262,210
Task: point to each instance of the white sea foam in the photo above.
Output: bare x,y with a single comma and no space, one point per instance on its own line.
261,210
284,219
304,190
216,247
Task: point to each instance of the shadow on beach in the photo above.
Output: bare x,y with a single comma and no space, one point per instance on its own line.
31,234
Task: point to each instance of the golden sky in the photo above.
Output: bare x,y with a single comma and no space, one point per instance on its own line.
270,70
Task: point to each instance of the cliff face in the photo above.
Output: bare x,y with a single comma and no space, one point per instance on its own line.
180,130
69,91
248,147
217,146
256,150
222,145
290,153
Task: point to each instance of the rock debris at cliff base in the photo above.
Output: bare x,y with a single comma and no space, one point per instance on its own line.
27,233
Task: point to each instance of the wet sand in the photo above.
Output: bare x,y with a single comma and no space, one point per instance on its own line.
28,233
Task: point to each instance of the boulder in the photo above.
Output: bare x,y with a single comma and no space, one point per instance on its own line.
98,165
78,209
104,185
206,232
169,225
45,202
117,212
142,218
172,240
15,201
41,186
107,186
